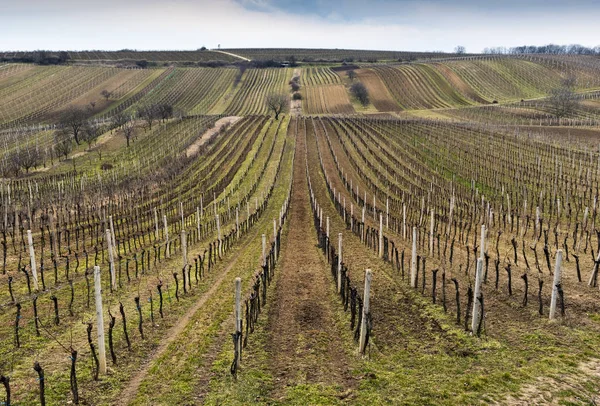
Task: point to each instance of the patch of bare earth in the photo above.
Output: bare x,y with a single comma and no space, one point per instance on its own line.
193,149
304,344
546,390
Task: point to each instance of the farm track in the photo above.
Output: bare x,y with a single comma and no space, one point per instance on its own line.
130,391
303,342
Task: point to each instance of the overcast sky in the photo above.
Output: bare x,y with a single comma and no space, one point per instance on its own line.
376,24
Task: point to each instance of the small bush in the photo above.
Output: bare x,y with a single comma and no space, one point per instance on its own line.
297,96
295,86
360,92
106,166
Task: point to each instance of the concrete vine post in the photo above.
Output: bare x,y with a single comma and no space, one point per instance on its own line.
166,229
238,317
111,259
482,242
184,247
476,303
339,272
363,325
198,220
413,260
380,235
218,231
112,235
431,226
555,283
155,223
32,260
264,249
99,320
275,237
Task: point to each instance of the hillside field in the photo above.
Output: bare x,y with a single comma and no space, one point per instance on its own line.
168,239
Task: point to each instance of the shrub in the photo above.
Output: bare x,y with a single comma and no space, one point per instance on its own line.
297,96
360,92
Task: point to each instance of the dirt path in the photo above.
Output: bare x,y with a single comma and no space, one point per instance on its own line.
230,54
559,390
193,149
296,105
304,344
130,391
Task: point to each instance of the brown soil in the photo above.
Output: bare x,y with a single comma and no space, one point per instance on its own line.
459,84
304,344
545,390
378,93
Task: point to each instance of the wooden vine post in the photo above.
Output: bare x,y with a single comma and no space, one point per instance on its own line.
365,312
32,260
555,284
99,320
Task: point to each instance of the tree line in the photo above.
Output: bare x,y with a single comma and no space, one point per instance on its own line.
550,49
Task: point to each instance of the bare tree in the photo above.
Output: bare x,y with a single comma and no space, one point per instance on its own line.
459,49
106,94
128,129
351,74
149,113
119,119
63,143
277,102
563,100
29,158
165,111
73,120
91,132
360,92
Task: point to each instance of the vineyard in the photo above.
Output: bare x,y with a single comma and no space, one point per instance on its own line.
179,244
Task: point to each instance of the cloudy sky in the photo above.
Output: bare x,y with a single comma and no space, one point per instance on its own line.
375,24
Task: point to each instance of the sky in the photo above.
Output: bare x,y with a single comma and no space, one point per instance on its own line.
411,25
